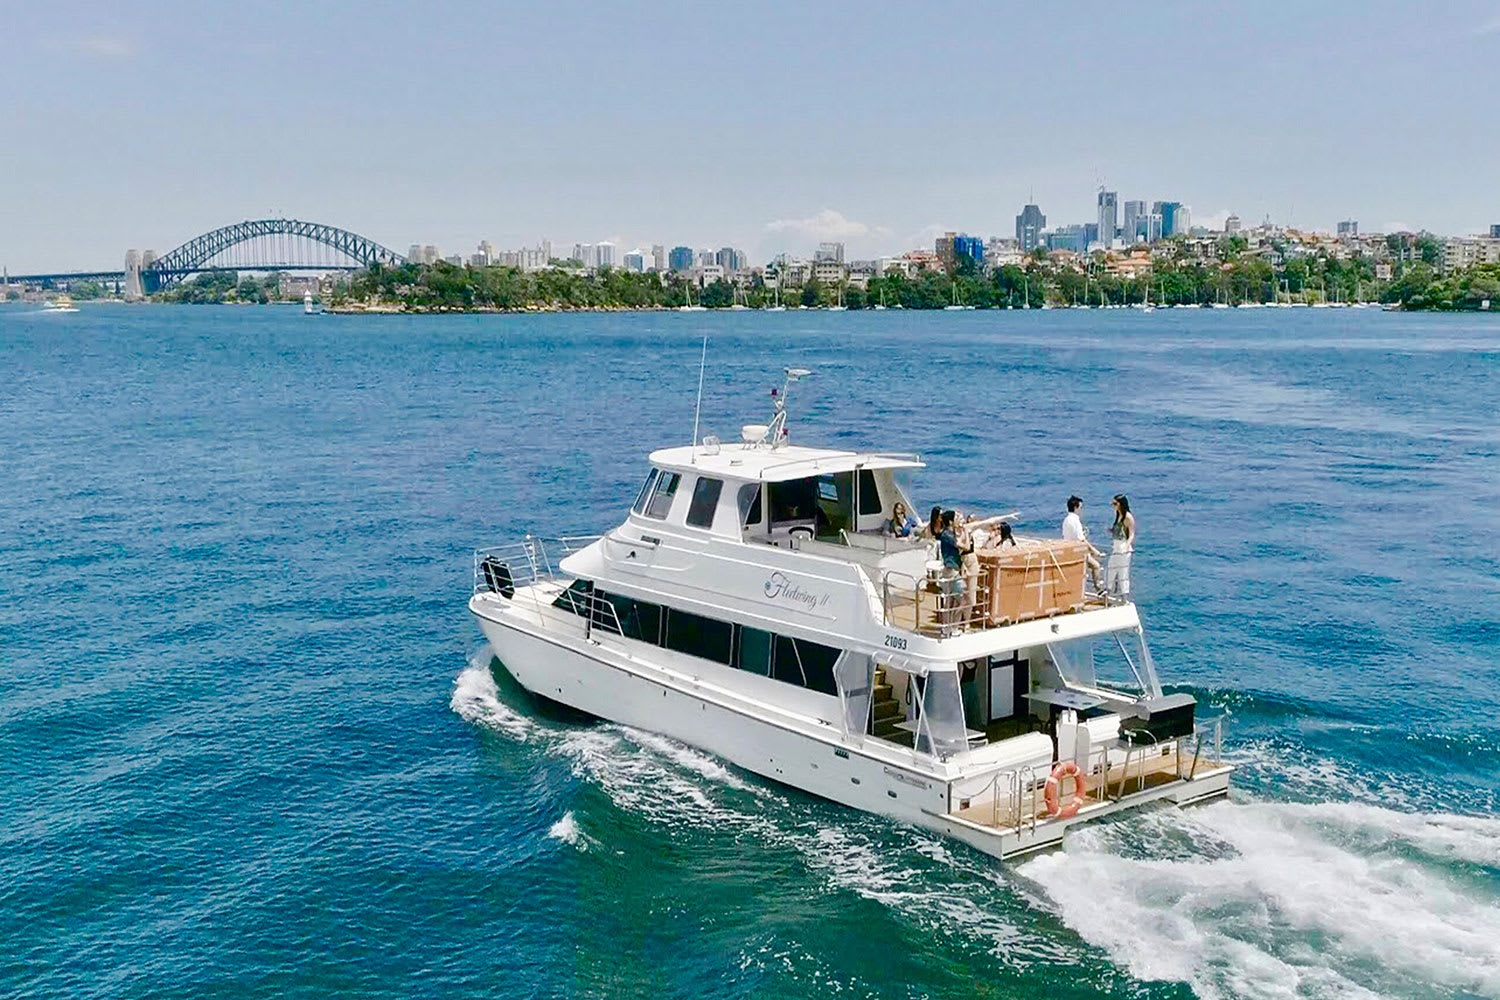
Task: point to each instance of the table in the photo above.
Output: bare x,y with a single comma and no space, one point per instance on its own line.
972,735
1076,700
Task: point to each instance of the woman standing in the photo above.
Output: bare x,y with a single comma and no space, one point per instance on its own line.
1122,547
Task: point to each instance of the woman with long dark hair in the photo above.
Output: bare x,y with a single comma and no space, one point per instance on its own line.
1121,548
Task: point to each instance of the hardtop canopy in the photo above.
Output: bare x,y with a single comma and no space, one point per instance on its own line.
763,464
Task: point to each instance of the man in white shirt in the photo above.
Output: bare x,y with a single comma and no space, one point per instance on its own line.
1074,531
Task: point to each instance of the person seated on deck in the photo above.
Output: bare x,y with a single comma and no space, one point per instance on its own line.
934,526
901,524
1074,531
1007,536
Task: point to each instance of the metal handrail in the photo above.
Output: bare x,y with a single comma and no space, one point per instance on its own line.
955,613
529,560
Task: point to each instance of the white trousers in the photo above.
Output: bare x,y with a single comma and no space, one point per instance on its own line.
1117,576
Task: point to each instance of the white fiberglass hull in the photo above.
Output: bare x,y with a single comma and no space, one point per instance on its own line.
812,755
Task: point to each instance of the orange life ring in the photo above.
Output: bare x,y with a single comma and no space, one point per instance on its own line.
1065,769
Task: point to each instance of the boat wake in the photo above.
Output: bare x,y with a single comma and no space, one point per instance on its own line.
1265,899
1257,899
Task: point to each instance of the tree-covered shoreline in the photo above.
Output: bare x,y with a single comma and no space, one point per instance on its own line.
1242,279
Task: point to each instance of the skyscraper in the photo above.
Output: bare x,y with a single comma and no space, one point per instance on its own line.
1231,225
1134,212
1029,226
1174,219
635,261
1348,228
658,257
968,248
681,259
827,252
604,254
1109,216
1495,232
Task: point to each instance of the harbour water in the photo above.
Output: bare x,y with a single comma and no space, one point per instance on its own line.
250,745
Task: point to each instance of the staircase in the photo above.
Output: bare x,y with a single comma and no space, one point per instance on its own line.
885,711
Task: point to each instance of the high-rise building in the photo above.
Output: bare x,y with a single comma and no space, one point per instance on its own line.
486,252
829,252
1495,231
415,253
1174,217
1029,226
943,247
604,254
1075,238
1134,210
635,261
1231,225
1148,227
725,258
658,258
969,248
681,259
586,254
1109,217
1348,229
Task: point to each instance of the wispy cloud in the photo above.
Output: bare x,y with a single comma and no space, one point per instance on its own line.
97,46
1490,27
826,225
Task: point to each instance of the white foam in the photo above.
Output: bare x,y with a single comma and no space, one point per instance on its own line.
476,699
567,831
1285,900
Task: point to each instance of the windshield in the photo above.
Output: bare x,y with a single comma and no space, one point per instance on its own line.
1117,661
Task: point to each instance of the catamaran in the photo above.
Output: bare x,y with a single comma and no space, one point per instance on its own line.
756,603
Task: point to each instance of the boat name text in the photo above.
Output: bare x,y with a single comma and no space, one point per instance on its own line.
779,588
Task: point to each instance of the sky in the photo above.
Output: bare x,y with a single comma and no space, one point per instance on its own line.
767,126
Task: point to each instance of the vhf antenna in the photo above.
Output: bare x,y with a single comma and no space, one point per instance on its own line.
698,406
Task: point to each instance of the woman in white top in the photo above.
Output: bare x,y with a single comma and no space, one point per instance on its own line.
1122,547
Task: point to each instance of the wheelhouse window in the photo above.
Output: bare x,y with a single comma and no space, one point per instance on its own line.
749,504
869,494
645,494
661,497
705,501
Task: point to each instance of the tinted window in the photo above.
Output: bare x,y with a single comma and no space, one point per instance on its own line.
869,493
753,650
705,501
805,664
637,619
698,636
640,498
749,501
576,598
661,498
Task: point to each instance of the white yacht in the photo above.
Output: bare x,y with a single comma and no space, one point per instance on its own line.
753,604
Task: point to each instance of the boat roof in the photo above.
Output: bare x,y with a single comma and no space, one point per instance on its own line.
760,463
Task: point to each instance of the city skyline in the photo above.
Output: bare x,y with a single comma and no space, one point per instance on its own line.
395,126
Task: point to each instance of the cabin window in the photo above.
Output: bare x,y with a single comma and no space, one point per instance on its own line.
869,493
705,501
640,498
699,636
753,650
577,598
640,620
749,504
805,664
792,661
661,498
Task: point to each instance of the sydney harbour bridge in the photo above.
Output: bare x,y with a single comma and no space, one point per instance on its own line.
253,245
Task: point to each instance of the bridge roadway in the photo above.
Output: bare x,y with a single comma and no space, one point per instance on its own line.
37,279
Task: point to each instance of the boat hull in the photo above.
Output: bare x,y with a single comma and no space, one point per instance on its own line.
605,681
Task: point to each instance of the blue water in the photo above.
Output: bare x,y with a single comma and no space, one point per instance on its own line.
250,745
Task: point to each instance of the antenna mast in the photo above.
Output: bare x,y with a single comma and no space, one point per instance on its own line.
698,406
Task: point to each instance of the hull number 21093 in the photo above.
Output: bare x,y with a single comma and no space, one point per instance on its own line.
895,642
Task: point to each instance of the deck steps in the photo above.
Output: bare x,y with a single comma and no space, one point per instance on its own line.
885,710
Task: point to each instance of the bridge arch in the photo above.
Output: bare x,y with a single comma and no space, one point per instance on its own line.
351,250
